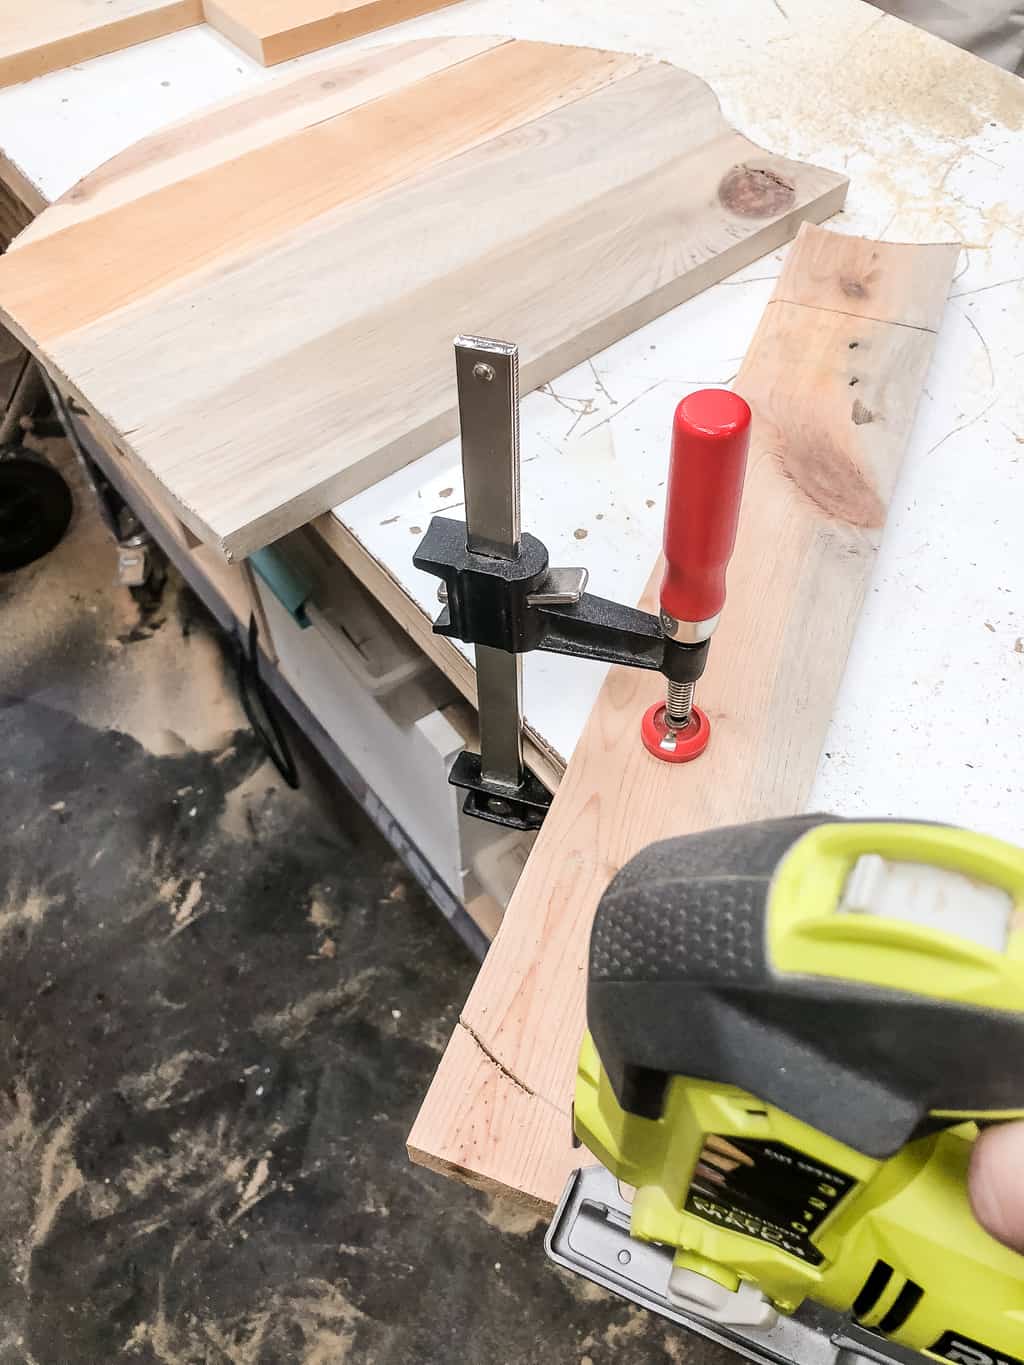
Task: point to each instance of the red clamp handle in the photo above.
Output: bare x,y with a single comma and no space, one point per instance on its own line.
710,438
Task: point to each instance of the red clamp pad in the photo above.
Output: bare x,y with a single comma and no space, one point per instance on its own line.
710,439
674,746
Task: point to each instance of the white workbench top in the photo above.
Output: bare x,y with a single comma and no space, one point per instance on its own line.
930,719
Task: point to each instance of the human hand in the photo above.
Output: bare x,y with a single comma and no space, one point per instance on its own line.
995,1183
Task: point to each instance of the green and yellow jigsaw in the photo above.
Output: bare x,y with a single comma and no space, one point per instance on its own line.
796,1031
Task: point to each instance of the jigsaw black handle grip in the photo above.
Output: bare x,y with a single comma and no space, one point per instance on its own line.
682,983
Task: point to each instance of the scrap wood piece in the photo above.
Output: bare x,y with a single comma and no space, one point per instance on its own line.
833,376
54,34
605,188
273,31
50,34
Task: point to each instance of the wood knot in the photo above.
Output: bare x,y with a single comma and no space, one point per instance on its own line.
853,289
755,192
831,476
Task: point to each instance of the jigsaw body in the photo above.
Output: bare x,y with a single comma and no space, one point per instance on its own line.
796,1029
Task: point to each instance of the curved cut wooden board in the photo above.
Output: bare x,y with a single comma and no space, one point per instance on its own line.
271,114
833,377
258,305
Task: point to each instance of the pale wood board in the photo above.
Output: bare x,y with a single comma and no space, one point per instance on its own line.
485,912
603,191
53,34
45,36
245,206
231,127
833,379
272,31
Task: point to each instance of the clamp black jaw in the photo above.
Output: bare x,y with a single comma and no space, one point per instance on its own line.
521,604
518,605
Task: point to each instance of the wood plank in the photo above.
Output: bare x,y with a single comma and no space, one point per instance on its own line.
36,38
890,283
240,207
485,912
273,31
604,191
833,398
236,125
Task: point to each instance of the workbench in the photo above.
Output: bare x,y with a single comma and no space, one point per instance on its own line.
930,720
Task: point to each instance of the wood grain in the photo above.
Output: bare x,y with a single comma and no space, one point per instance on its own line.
238,125
819,480
890,283
558,195
241,206
273,31
41,37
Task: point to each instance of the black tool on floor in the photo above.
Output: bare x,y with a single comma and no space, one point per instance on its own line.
35,507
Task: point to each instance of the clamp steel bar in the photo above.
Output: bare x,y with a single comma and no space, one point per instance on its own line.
487,374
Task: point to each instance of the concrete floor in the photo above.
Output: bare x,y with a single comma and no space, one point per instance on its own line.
222,1003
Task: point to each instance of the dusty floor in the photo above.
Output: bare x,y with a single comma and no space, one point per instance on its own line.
221,1003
